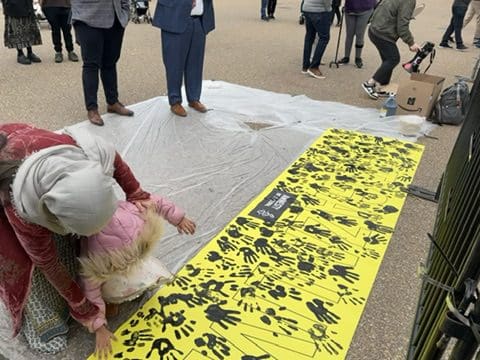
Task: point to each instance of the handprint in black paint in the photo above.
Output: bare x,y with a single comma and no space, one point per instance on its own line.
387,209
222,317
323,214
226,244
375,239
246,223
319,188
317,230
286,324
343,220
182,281
351,168
317,307
323,342
243,271
338,242
216,344
378,228
263,247
187,299
308,200
247,300
252,357
165,348
221,262
344,272
345,178
347,295
295,208
234,232
136,337
370,253
249,256
281,259
327,254
306,265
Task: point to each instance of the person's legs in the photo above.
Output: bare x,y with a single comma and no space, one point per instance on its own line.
338,14
470,14
175,49
310,34
194,63
272,4
390,59
112,47
322,27
263,9
350,24
53,15
360,28
91,44
458,17
448,32
64,16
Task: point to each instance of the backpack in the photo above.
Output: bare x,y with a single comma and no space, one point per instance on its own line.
451,107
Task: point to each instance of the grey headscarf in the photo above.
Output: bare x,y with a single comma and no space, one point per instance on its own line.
67,189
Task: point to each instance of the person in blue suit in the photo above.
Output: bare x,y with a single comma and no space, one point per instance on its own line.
184,25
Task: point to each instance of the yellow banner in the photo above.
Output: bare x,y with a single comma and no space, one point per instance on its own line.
288,278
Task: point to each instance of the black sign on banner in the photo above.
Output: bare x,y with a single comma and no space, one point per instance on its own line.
272,207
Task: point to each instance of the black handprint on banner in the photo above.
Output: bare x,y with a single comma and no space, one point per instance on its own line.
311,168
182,281
243,271
323,214
226,245
234,232
216,344
249,256
323,342
338,242
378,228
370,253
306,265
262,246
375,239
165,348
319,188
317,230
281,259
308,200
351,168
329,255
345,178
177,320
222,317
286,324
246,223
220,261
405,178
144,335
343,220
387,209
344,272
187,299
252,357
247,300
317,307
347,296
266,232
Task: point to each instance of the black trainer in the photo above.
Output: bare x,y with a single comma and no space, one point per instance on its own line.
22,59
445,45
370,90
462,47
34,58
344,61
359,62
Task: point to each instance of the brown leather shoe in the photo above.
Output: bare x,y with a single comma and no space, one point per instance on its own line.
120,109
178,110
197,105
95,117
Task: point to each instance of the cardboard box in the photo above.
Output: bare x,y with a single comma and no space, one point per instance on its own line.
418,95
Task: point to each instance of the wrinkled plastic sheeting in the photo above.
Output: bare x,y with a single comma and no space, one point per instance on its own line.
214,164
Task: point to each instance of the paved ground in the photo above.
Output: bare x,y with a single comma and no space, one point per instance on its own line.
247,51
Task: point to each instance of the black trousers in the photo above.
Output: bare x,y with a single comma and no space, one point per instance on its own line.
456,25
58,18
336,11
272,4
101,50
390,58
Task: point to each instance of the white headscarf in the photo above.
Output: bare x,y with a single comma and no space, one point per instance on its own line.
67,189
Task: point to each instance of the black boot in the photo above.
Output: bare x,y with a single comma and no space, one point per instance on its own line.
33,58
21,58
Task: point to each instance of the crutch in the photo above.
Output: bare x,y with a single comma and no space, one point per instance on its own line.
335,62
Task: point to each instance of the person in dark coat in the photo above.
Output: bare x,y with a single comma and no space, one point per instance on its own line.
21,29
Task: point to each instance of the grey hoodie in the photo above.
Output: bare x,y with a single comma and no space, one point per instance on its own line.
317,6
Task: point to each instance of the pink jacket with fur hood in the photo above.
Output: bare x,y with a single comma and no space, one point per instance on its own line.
124,242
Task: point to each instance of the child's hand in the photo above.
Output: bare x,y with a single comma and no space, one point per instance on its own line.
186,226
103,345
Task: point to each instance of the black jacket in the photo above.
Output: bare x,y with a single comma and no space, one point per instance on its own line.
17,8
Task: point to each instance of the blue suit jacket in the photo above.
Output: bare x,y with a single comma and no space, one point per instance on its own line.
173,15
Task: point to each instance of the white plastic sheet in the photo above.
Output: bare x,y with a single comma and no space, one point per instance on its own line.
214,164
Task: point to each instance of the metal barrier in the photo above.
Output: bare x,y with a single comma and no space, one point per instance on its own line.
449,306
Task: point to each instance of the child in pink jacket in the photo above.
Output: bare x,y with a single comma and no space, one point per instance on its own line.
116,265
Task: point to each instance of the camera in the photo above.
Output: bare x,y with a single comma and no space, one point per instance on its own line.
413,66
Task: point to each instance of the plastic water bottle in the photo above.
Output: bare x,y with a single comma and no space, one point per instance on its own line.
389,107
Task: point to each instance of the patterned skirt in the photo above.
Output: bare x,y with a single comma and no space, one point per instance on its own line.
21,32
45,316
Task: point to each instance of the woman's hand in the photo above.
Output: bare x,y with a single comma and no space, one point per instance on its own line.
186,226
103,342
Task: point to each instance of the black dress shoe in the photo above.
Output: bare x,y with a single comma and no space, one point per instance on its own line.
22,59
34,58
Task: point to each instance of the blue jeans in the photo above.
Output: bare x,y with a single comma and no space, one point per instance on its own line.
263,9
316,23
456,25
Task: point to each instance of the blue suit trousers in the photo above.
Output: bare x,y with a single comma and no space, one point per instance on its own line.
183,56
